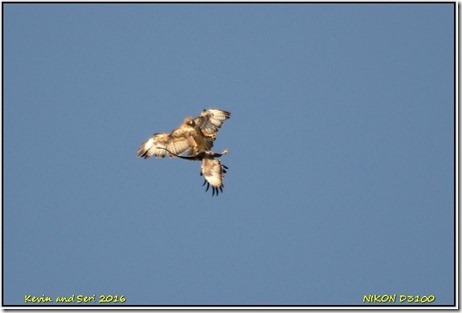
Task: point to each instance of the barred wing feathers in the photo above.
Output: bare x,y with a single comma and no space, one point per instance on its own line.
210,121
213,171
156,145
179,141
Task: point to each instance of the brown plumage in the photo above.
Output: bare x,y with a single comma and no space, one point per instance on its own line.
211,168
193,136
193,140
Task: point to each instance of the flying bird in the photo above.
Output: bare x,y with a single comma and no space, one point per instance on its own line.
193,140
193,136
212,169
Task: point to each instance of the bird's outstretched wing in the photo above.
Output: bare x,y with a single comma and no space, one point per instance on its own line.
156,145
213,171
179,141
210,121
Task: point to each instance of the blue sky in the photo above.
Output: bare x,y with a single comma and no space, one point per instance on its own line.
341,163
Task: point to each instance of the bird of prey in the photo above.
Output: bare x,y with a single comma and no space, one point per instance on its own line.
193,136
193,140
212,169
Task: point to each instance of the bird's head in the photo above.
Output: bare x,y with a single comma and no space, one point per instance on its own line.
189,121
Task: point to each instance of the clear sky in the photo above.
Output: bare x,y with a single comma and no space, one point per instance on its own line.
341,163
